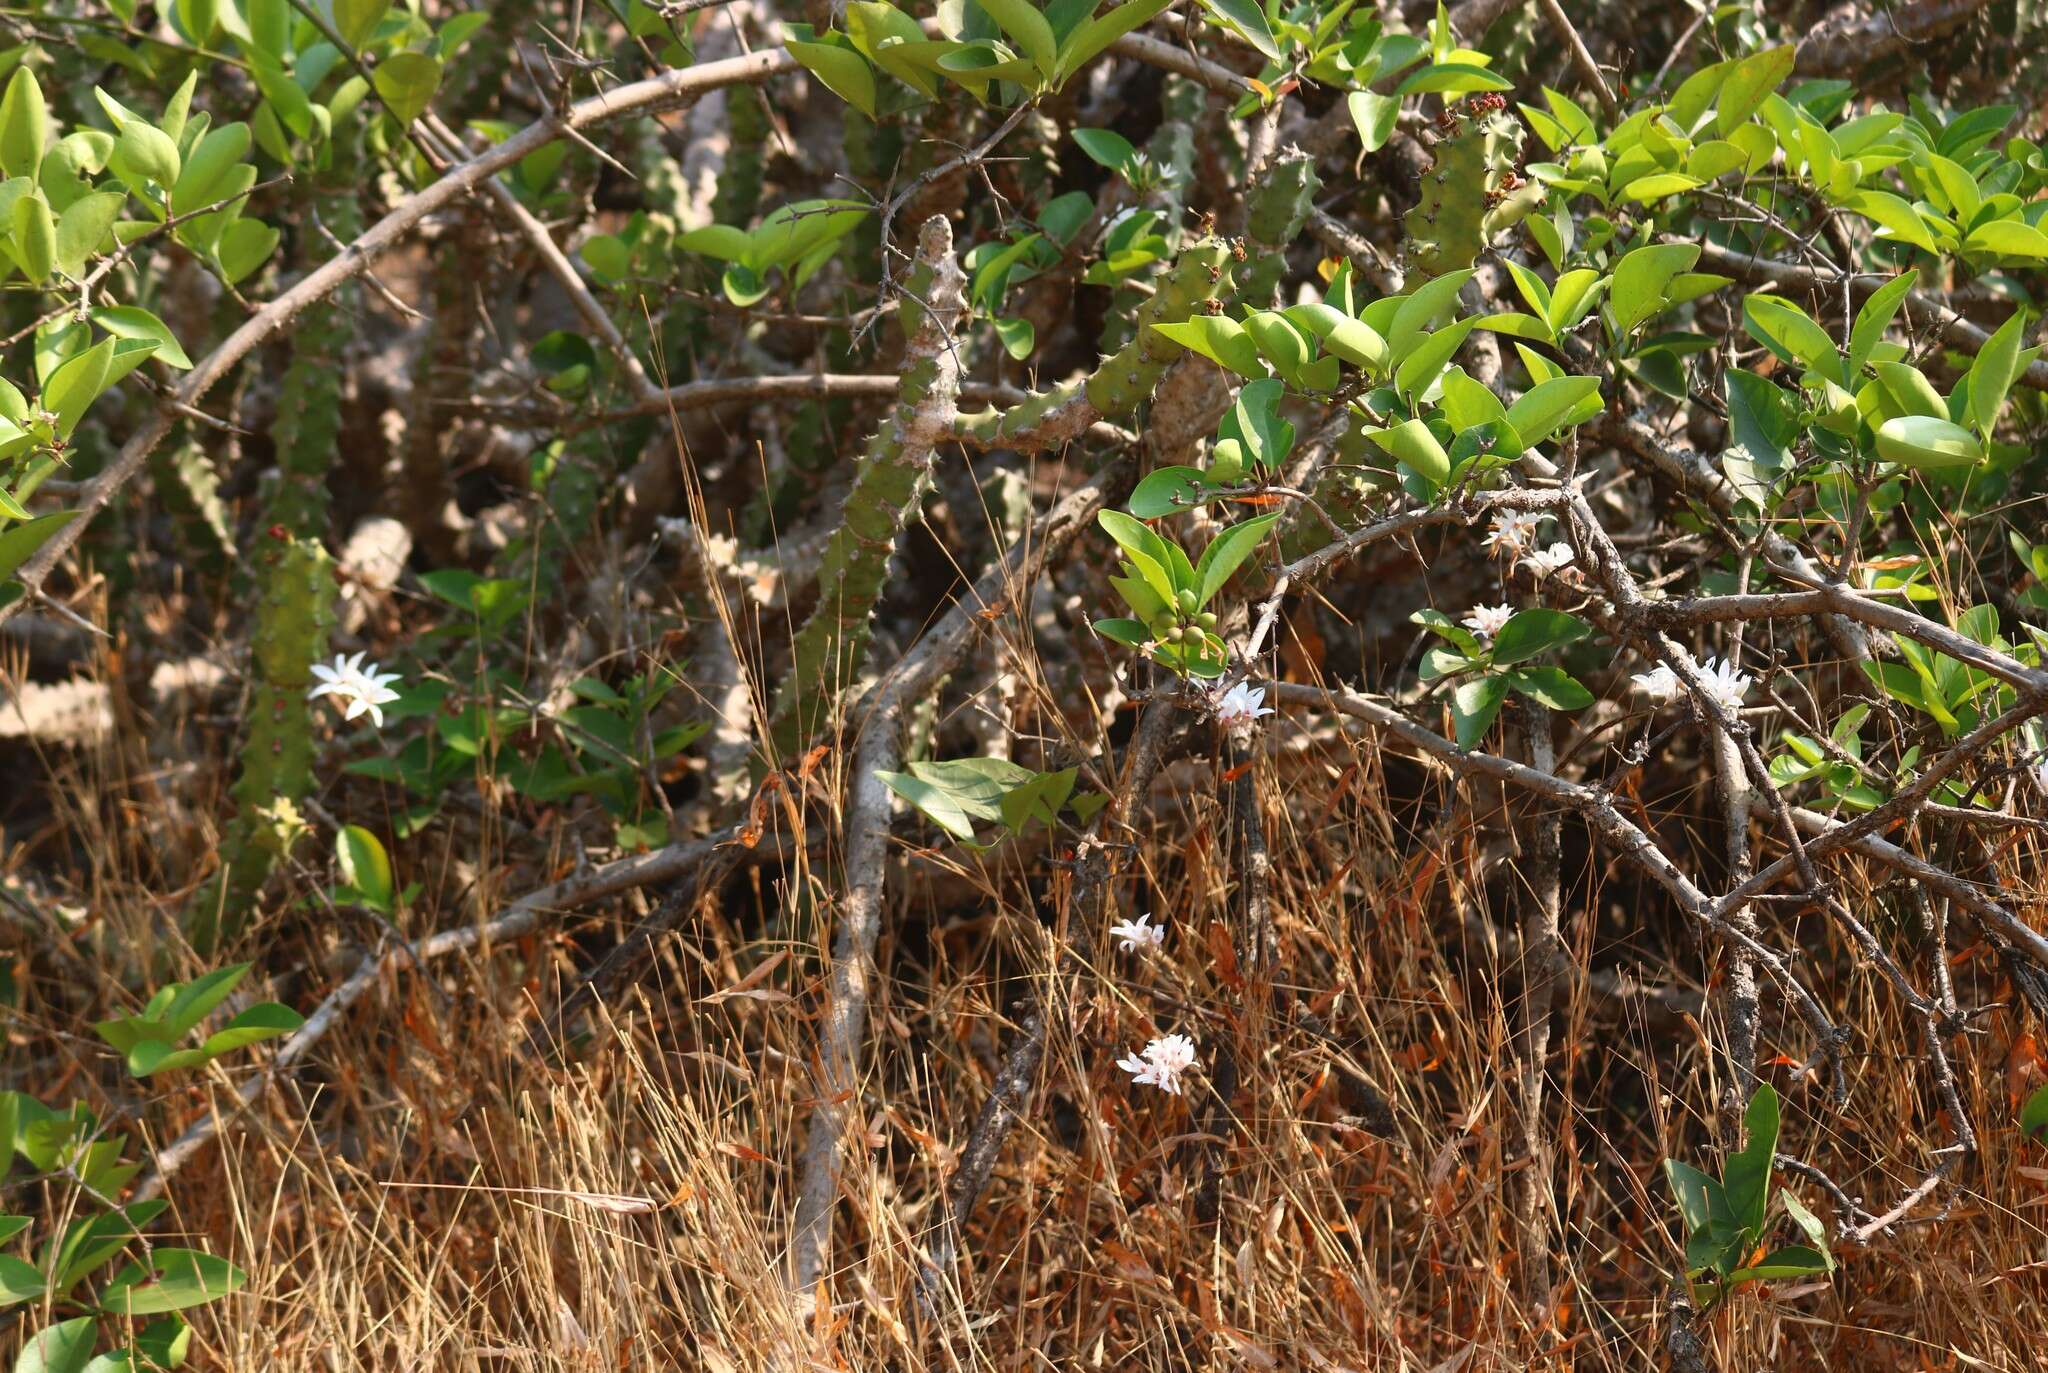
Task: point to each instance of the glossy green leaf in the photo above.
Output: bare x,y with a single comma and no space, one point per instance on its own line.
132,321
1530,632
1225,553
1248,19
843,71
406,83
1474,706
365,867
24,125
1928,444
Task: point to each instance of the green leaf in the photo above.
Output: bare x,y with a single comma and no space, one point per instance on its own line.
1248,18
1748,82
1761,428
1105,147
183,1278
2007,238
132,321
1747,1178
265,1020
843,71
35,236
1375,115
1452,78
1792,1261
1999,361
1550,686
1530,632
82,228
62,1348
1089,39
1873,319
356,20
244,246
1027,28
74,386
1547,404
365,867
1411,442
1928,444
1221,340
1811,1224
19,1281
24,125
1895,218
145,153
19,542
1474,705
206,171
1224,555
2034,1115
1699,1196
1350,339
1791,333
1169,491
1131,633
406,83
1420,369
1149,553
1254,422
1640,280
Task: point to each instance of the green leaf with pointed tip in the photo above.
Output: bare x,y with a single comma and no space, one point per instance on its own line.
1874,318
1350,339
1375,116
174,1280
1636,293
365,867
1530,632
1248,19
1426,362
24,125
19,542
356,20
1748,82
1028,29
134,322
1747,1178
1170,491
35,236
1549,686
1927,444
406,83
1537,414
1452,78
1474,705
1221,340
1791,333
843,71
1131,633
1089,39
1225,553
1999,361
1412,443
62,1348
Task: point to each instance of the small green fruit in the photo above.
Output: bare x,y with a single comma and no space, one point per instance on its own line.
1175,635
1188,603
1207,619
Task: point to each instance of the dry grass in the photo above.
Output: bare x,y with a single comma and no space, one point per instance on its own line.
429,1195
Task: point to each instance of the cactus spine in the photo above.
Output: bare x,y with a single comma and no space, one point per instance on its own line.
1473,193
891,477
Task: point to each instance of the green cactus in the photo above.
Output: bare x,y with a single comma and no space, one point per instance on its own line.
891,478
739,183
306,431
294,613
1472,194
188,487
1122,381
1275,212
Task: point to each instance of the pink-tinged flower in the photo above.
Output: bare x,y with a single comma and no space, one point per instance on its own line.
360,686
1488,620
1136,934
1163,1063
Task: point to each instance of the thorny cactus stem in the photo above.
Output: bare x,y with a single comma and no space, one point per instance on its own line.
1275,213
1473,193
892,475
1123,380
293,615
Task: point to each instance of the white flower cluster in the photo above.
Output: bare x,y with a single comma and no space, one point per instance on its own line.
356,684
1725,683
1242,702
1162,1063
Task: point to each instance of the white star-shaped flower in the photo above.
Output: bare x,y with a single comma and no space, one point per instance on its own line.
1514,530
1725,683
1488,620
1136,934
1242,702
358,685
1163,1063
1544,561
1660,682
